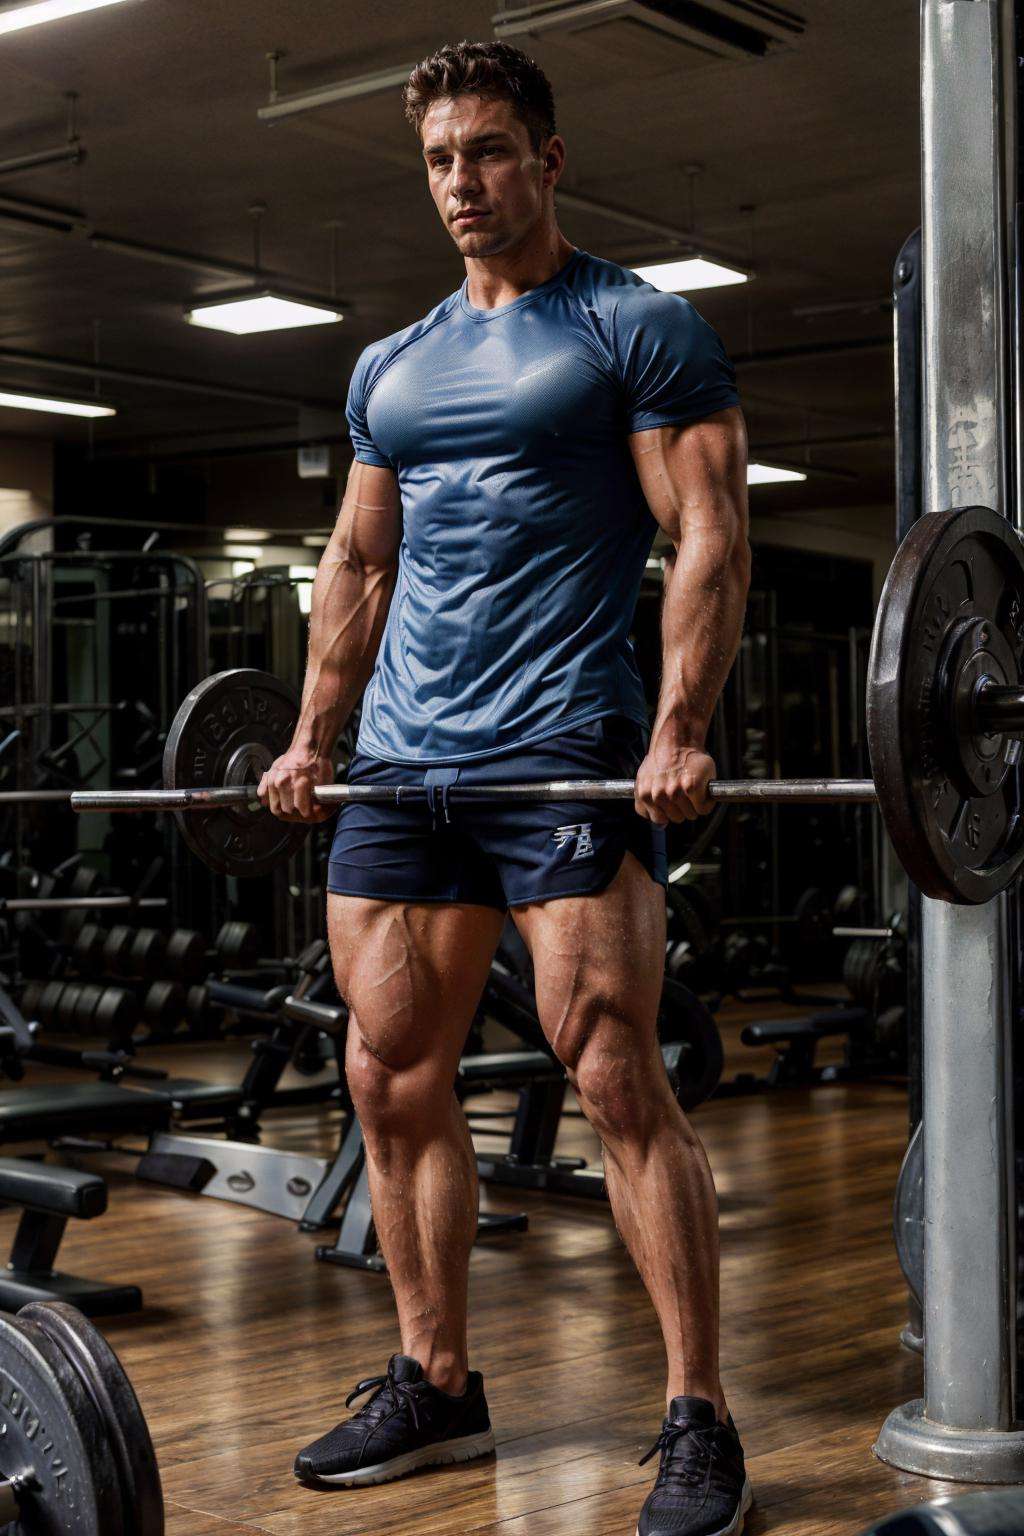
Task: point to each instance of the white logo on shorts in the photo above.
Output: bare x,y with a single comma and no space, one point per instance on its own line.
581,832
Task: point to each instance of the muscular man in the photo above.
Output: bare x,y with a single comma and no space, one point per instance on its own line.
516,451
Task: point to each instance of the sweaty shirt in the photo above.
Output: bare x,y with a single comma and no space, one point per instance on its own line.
525,530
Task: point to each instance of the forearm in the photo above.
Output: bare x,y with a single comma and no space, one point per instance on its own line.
349,609
702,619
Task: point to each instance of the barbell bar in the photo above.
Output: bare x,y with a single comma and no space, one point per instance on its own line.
945,716
33,796
751,791
76,903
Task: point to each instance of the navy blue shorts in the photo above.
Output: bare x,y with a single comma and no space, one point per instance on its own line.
498,854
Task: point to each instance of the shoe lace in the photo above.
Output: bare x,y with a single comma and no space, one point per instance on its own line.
388,1394
691,1465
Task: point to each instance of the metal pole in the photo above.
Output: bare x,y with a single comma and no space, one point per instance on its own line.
964,1427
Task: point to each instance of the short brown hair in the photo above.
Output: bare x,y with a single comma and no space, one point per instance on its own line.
483,69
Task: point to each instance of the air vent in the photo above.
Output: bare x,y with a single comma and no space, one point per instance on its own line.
716,29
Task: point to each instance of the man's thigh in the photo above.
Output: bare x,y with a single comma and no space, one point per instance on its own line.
411,972
598,962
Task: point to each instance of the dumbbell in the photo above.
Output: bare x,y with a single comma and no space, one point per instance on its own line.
163,1006
81,1007
185,958
200,1013
143,953
237,945
137,953
87,950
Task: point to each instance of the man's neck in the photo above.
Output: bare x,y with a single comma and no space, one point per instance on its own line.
496,280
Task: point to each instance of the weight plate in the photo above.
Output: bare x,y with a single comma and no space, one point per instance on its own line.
116,948
951,612
86,1003
684,1019
49,1001
237,945
145,958
88,948
121,1416
908,1215
813,914
185,959
229,730
164,1005
116,1015
200,1013
52,1435
64,1018
30,999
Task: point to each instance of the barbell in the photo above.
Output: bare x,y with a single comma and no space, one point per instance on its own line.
945,714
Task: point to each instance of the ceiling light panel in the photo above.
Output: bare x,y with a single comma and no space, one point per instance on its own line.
246,314
688,275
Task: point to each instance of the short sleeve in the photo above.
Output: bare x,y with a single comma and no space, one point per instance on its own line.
366,450
674,367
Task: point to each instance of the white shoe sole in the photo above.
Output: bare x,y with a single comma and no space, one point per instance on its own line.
441,1454
735,1526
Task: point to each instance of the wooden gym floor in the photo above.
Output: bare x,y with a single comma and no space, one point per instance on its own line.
246,1346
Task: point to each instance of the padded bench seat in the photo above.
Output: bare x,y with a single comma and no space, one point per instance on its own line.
41,1111
49,1196
191,1099
507,1068
833,1021
54,1190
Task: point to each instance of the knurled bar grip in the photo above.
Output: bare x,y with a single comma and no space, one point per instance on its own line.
755,791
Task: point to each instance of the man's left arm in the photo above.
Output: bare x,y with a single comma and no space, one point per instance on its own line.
695,480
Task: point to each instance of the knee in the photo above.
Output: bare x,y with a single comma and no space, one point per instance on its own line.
618,1093
391,1094
614,1065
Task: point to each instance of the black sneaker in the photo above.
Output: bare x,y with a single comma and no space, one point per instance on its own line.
702,1487
407,1423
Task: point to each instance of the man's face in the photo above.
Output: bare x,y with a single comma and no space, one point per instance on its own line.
479,157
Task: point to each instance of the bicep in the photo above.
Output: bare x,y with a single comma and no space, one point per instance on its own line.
695,475
369,526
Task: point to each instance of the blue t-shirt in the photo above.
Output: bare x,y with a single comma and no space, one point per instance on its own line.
525,530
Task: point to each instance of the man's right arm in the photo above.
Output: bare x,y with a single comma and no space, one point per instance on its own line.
352,592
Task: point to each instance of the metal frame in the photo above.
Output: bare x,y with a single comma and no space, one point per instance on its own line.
964,1427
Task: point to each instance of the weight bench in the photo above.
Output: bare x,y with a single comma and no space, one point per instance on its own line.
49,1197
42,1111
796,1042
